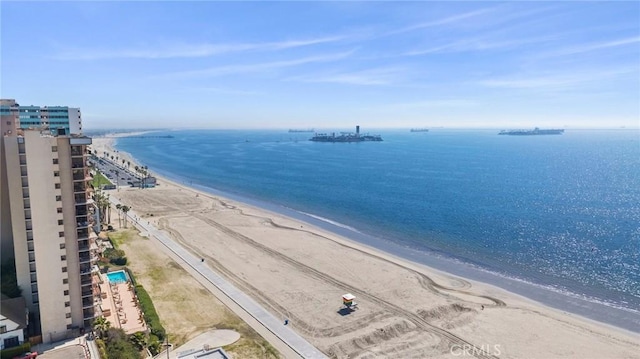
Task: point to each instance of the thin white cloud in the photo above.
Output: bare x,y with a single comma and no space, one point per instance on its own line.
223,91
454,19
370,77
593,47
256,67
188,50
557,80
495,16
476,44
435,103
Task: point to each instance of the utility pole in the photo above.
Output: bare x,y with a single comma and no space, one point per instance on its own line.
167,345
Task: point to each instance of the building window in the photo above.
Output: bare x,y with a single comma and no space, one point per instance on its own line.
57,185
69,326
58,198
66,292
35,299
67,304
64,269
65,281
3,329
56,173
63,258
60,222
55,161
68,315
60,234
54,148
59,209
62,246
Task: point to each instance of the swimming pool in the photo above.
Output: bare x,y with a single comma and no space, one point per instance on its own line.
117,277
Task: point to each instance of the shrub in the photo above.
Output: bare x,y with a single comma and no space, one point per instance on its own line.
131,276
150,314
119,261
115,256
102,348
118,345
154,345
15,351
112,253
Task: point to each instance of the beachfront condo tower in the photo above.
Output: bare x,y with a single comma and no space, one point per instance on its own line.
47,217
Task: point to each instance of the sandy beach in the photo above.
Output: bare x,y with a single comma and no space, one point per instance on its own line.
405,310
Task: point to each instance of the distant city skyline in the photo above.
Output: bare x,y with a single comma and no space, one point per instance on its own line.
321,65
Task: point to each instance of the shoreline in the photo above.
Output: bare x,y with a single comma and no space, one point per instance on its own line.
597,311
441,269
594,309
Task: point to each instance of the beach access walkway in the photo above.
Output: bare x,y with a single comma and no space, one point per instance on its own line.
283,338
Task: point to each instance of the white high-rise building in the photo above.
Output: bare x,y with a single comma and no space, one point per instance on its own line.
47,216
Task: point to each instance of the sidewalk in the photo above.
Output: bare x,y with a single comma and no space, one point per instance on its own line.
274,325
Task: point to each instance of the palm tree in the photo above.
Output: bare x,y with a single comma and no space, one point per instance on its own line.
119,207
102,202
146,174
124,210
101,325
108,204
139,340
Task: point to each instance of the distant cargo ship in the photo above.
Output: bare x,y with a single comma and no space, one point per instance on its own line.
301,130
419,130
535,131
345,137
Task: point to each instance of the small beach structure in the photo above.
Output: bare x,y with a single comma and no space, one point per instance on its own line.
348,301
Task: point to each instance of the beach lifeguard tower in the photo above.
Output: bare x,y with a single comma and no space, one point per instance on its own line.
348,301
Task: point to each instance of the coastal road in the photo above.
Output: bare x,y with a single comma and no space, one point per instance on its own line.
285,340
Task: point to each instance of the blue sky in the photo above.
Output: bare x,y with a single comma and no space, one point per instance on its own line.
327,64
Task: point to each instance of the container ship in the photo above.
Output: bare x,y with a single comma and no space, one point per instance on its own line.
345,137
535,131
301,130
419,130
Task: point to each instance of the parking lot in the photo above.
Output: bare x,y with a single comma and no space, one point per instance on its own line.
118,175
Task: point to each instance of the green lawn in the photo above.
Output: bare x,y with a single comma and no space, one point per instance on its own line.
99,179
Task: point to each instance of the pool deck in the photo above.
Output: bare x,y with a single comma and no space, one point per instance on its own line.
120,307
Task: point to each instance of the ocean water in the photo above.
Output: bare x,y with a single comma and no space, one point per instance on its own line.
562,212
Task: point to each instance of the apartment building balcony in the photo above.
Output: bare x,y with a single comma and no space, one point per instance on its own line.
78,162
85,269
81,175
83,246
83,200
82,210
84,257
79,188
83,233
88,292
84,224
89,302
79,151
90,313
86,280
